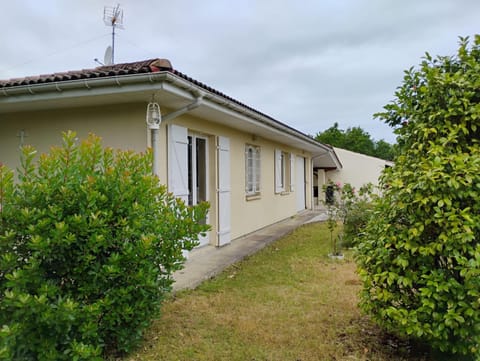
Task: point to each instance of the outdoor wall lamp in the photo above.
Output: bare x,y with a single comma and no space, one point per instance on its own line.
153,119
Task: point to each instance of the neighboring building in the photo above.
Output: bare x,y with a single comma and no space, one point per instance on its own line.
253,170
357,169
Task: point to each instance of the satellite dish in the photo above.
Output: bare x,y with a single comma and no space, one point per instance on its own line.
107,59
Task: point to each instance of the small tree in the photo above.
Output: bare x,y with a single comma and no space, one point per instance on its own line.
420,256
334,214
88,243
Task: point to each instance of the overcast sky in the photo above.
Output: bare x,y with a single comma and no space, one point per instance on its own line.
307,63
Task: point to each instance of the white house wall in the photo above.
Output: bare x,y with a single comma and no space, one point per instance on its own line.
358,169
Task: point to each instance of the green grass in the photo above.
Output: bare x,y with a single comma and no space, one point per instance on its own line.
287,302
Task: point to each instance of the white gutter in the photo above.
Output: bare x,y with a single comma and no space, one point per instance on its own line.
146,82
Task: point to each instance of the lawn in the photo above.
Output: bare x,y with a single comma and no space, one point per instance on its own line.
287,302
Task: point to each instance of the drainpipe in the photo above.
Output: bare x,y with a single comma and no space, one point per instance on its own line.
195,104
155,151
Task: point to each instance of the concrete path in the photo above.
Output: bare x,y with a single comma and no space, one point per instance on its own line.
208,261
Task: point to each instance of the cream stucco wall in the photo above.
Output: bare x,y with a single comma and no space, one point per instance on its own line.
120,127
358,169
123,127
250,215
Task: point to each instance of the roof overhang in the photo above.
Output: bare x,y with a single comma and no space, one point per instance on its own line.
171,91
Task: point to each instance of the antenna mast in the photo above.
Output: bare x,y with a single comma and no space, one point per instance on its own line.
113,16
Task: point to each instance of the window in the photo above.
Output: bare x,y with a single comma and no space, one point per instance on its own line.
283,171
252,170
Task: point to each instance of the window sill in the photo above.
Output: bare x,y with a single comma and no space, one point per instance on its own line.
252,197
283,193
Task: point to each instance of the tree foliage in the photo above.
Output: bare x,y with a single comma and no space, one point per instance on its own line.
420,256
88,243
357,140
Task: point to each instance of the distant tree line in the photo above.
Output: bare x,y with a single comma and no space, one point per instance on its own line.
356,140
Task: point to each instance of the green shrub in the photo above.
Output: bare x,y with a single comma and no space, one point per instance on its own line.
355,221
358,212
349,206
420,256
88,243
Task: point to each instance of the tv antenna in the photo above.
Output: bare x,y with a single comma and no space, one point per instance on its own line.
112,16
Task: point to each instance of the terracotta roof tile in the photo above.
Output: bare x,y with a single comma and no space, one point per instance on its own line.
139,67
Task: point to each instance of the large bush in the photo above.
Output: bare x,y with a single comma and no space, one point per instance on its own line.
88,243
420,257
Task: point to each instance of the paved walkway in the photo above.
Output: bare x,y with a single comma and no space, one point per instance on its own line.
208,261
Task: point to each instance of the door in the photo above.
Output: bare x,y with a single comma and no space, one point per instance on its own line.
300,183
197,175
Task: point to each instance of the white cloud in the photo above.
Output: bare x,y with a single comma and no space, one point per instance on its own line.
307,63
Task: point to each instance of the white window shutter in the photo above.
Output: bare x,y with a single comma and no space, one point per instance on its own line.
224,204
278,171
292,172
178,161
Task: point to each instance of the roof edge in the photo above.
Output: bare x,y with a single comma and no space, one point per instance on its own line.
152,70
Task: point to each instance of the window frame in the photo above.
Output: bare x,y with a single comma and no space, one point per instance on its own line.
252,170
284,172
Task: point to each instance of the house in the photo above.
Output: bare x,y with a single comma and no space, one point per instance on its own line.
252,169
